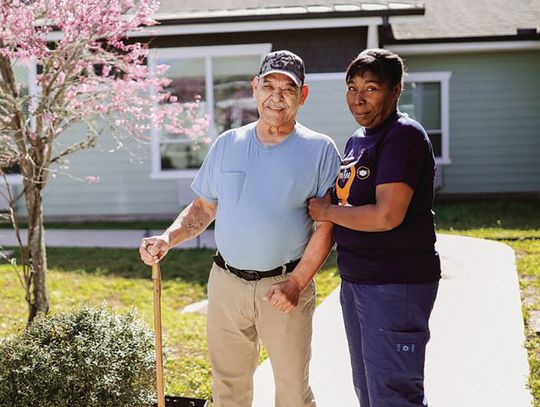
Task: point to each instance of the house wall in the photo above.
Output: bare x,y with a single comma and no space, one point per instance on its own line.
494,134
323,50
494,120
326,110
124,188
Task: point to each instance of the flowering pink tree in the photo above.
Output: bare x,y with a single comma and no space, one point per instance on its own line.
88,74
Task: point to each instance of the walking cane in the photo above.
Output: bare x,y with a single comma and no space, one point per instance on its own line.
156,278
163,401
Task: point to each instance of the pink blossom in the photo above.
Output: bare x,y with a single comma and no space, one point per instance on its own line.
161,69
91,179
90,34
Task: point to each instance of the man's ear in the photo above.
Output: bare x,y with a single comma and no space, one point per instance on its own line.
304,91
254,84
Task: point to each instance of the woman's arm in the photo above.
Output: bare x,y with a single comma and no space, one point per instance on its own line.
392,202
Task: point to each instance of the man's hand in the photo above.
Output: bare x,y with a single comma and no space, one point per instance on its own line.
318,207
153,249
191,222
284,296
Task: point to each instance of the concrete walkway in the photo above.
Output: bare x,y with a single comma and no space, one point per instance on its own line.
122,239
475,358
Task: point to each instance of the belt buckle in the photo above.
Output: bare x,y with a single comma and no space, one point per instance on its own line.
257,275
283,269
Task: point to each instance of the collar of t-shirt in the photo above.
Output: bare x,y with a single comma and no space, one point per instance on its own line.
283,142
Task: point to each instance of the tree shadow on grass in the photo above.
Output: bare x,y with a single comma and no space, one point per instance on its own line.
191,265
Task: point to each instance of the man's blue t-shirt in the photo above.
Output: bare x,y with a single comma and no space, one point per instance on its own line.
262,191
398,150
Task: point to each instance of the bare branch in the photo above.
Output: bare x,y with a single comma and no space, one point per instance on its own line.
88,142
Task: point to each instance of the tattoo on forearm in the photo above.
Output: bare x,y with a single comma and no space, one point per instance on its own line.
190,223
193,227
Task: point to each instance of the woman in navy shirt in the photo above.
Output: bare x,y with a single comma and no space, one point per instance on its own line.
385,236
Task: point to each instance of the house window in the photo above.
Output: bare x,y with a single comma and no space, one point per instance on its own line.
220,78
425,99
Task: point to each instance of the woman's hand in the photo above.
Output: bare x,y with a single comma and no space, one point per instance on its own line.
318,207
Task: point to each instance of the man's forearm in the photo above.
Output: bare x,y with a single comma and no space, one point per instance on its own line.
315,254
191,222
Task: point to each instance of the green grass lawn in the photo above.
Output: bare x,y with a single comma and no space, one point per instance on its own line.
116,277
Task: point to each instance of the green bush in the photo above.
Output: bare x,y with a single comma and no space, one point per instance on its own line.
88,358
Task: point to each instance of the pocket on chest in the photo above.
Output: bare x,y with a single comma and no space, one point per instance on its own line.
230,188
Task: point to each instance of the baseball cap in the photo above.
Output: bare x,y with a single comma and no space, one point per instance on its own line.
284,62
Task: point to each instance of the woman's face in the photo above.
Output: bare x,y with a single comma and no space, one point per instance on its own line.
370,99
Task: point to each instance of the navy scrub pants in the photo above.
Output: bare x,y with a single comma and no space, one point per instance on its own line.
387,331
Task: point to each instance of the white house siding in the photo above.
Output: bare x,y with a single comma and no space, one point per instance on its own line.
125,186
326,111
494,120
494,140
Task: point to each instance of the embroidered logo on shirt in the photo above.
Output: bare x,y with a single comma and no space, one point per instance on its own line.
362,172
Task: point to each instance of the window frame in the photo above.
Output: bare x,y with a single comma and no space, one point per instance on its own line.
443,78
206,52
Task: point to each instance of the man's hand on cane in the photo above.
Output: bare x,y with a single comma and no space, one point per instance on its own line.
153,249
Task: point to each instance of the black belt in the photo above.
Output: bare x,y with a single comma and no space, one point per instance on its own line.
253,275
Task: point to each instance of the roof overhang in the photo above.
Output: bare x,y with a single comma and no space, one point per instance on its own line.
465,46
297,12
278,18
269,25
283,18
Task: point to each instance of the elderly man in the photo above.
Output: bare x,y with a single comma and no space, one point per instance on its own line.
255,182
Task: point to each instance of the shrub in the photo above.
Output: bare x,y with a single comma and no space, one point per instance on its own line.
88,358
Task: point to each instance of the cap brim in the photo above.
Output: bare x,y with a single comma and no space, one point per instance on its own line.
295,78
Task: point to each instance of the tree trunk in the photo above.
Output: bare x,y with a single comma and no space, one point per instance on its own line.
37,296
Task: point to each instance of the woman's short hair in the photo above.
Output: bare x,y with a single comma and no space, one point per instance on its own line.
386,65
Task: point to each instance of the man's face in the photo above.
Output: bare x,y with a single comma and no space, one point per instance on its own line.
278,99
371,100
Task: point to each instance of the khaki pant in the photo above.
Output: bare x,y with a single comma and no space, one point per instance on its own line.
237,318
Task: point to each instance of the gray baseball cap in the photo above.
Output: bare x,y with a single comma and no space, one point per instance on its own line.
284,62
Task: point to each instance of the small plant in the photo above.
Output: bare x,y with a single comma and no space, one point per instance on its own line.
91,357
